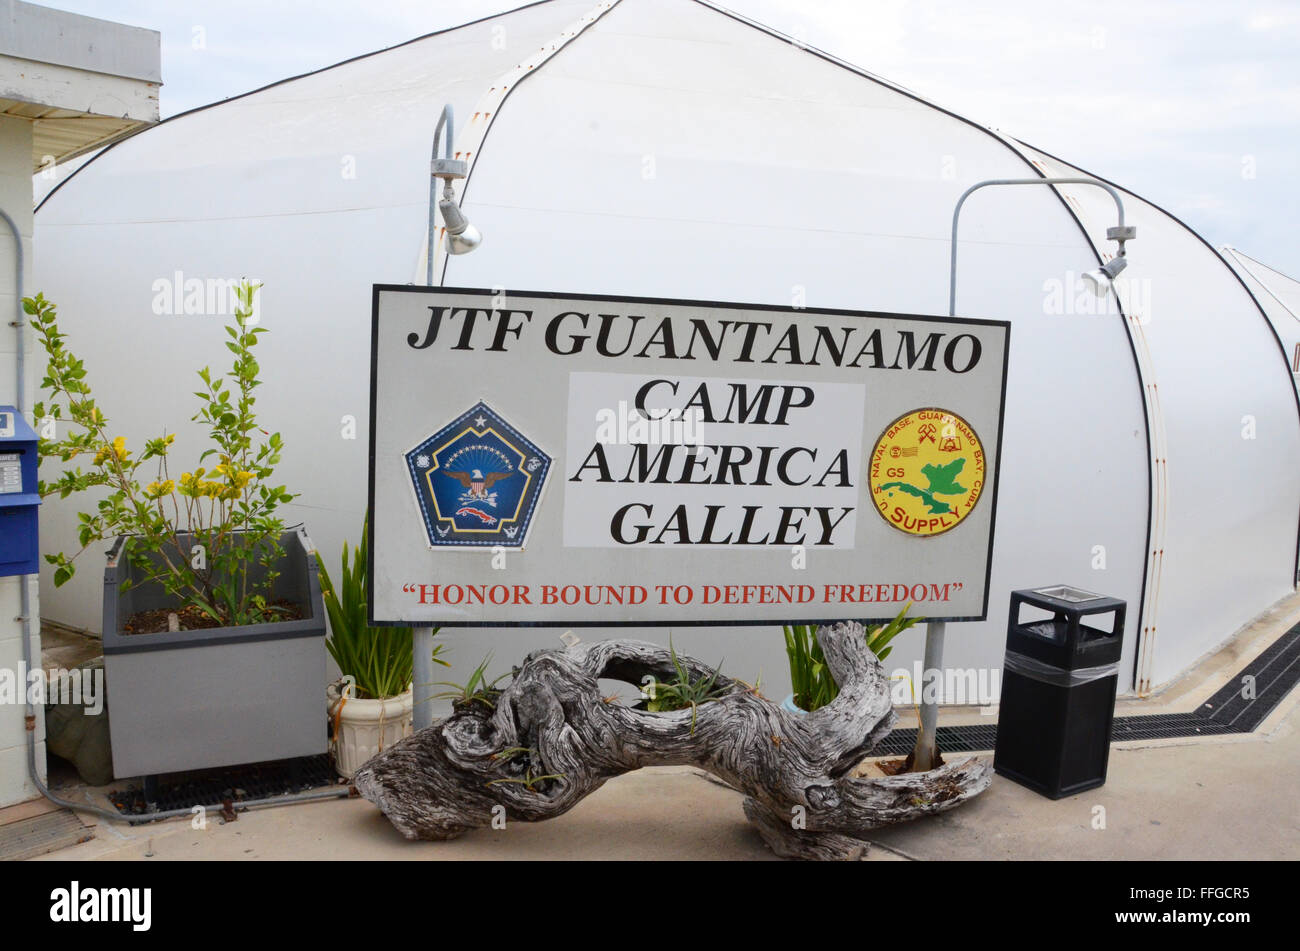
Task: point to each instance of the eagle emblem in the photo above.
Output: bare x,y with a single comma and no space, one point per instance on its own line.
477,481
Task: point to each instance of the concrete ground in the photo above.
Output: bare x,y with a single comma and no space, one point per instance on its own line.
1218,798
1211,798
65,648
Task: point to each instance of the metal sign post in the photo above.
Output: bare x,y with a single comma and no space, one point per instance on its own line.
926,746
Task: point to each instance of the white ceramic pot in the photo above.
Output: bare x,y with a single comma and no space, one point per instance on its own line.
365,727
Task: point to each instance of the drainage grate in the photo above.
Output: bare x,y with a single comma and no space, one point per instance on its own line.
237,783
1233,709
1165,726
1269,678
952,739
39,835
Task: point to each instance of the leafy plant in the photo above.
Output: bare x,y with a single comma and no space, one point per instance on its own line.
478,689
683,690
814,687
379,659
528,780
227,512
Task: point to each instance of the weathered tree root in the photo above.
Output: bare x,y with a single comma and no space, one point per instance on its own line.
552,739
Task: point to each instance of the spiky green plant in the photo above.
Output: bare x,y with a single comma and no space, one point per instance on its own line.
478,689
811,679
683,690
378,658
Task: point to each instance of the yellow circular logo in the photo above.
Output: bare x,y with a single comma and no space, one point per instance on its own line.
926,472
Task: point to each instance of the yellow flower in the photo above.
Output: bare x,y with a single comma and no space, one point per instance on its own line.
242,479
170,439
117,450
156,490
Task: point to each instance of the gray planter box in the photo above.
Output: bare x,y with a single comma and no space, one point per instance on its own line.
218,697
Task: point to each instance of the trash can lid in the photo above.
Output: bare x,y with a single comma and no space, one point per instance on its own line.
1065,592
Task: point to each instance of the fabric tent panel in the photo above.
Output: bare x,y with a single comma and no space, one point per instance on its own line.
1232,505
635,34
1278,296
380,110
1283,287
776,173
858,218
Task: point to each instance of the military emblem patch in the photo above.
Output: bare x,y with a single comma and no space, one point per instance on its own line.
926,472
478,481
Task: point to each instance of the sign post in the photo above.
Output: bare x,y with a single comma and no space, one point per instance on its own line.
571,460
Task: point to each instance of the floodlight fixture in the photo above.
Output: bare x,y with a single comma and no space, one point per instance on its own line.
462,237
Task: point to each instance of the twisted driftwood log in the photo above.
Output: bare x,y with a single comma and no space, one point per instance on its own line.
551,722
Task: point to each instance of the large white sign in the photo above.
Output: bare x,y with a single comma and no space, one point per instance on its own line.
567,460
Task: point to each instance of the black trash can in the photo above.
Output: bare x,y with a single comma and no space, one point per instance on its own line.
1058,691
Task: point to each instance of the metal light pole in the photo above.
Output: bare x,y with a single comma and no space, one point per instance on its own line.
462,237
1119,233
923,755
422,675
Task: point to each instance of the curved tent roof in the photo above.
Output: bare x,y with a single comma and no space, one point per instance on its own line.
670,148
1278,296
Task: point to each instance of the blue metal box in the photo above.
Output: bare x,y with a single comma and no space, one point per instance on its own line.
19,501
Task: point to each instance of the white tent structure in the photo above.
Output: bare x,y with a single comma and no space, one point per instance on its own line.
670,148
1278,296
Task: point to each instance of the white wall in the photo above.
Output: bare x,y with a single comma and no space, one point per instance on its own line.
16,199
771,169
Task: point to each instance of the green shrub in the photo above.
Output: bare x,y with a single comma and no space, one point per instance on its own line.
229,509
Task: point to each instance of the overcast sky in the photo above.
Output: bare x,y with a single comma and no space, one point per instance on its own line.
1194,105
